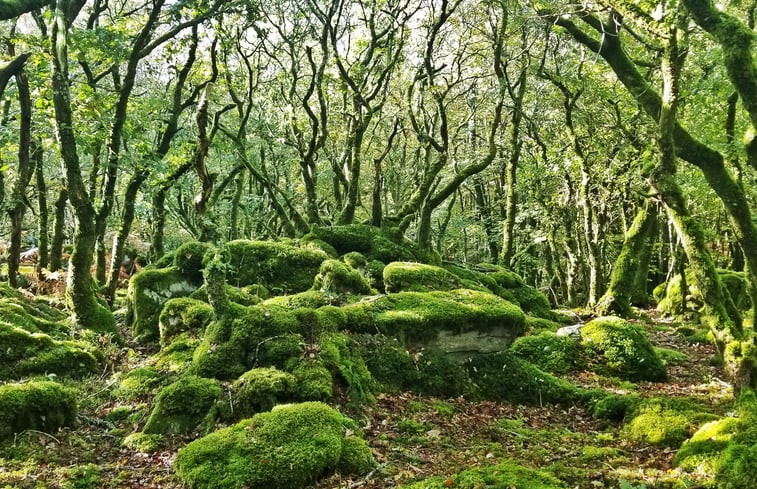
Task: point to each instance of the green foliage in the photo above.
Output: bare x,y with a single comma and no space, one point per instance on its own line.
177,356
188,260
619,348
336,277
25,354
504,475
418,277
549,352
314,381
702,452
38,405
260,389
86,476
182,406
183,314
286,448
280,267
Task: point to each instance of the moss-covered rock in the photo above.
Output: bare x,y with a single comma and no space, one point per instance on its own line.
38,405
260,389
418,277
458,321
314,380
665,422
505,475
181,315
374,243
142,442
312,299
668,295
184,405
616,407
336,277
702,452
549,352
148,292
25,354
356,457
280,267
188,260
533,302
286,448
177,356
243,296
617,347
138,382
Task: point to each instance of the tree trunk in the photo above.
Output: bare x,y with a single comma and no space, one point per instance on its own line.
59,229
43,259
234,215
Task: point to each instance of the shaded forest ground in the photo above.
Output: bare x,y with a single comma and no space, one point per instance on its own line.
412,437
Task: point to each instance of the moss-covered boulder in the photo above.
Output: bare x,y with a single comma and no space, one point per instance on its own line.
549,352
505,475
26,354
336,277
280,267
533,302
176,357
617,347
260,389
181,315
287,448
665,422
375,243
138,382
244,296
38,405
457,322
184,405
32,315
418,277
188,259
311,299
148,292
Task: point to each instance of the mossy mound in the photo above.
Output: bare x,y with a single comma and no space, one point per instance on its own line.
244,296
26,354
549,352
374,243
34,316
665,422
138,382
615,407
505,377
36,405
617,347
177,356
281,268
420,317
418,277
505,475
668,295
188,259
533,302
311,299
148,292
287,448
336,277
181,315
184,405
258,390
702,452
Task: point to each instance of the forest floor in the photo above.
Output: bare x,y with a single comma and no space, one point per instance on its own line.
411,436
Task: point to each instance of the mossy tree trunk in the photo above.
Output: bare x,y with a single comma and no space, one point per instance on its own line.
43,215
24,172
215,283
80,291
626,270
59,230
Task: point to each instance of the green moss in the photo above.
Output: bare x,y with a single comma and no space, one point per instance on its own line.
148,292
671,357
188,260
183,405
312,299
138,382
177,356
622,349
533,302
388,361
320,245
25,354
87,476
19,314
260,389
336,277
356,260
38,405
142,442
418,316
183,314
701,453
374,243
286,448
356,457
418,277
615,407
549,352
258,290
282,268
314,381
240,296
504,475
539,325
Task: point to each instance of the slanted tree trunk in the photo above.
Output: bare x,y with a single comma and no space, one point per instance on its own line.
627,268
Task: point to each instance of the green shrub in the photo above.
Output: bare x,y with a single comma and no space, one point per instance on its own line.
504,475
287,448
35,405
418,277
183,314
182,406
549,352
622,349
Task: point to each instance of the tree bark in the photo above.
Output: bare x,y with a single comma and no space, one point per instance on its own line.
59,230
43,215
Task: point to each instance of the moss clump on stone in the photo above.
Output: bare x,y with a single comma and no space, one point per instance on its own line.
505,475
374,243
287,448
177,356
25,354
533,302
665,422
183,314
549,352
356,260
260,389
505,377
280,267
617,347
148,292
314,380
18,313
418,277
183,405
35,405
356,457
139,382
421,316
702,452
312,299
188,259
142,442
241,296
336,277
